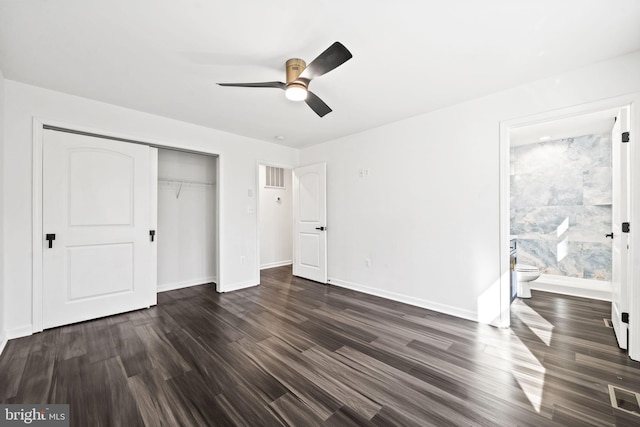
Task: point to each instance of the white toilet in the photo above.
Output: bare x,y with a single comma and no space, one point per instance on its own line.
526,274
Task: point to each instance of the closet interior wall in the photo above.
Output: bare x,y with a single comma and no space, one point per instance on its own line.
187,216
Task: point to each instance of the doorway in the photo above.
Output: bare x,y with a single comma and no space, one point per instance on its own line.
187,219
508,131
275,216
561,202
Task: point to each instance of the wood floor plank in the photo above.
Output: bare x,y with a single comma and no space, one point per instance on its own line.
294,412
298,353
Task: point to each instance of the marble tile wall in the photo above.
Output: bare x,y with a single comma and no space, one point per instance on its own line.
561,205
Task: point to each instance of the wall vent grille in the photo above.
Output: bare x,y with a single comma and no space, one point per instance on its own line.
274,177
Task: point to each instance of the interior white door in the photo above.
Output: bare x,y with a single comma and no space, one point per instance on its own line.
97,216
620,211
310,222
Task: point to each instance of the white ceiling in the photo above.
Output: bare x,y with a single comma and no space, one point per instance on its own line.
409,57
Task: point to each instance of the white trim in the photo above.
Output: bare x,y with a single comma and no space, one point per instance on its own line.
634,235
418,302
574,286
3,341
153,220
22,331
275,264
38,236
186,284
504,229
237,286
632,99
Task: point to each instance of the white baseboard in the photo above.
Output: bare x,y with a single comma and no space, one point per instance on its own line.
23,331
179,285
418,302
237,286
574,286
3,341
275,264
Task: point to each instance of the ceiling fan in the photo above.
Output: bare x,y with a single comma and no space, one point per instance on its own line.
299,75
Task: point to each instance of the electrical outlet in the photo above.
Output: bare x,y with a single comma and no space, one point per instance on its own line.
367,262
242,260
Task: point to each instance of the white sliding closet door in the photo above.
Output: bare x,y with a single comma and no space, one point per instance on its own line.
98,210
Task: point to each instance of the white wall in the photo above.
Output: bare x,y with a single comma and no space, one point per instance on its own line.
237,174
3,303
276,219
428,215
186,232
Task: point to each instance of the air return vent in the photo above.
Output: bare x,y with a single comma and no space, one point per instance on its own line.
625,400
274,177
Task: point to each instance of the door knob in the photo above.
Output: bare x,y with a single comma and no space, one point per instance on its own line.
321,228
609,235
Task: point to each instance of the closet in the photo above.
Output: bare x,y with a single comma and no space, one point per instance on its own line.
187,219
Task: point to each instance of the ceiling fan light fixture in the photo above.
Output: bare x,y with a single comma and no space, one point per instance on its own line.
296,92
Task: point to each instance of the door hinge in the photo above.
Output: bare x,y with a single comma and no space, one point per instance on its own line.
625,318
625,227
625,136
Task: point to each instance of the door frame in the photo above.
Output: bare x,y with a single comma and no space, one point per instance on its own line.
37,193
631,100
257,201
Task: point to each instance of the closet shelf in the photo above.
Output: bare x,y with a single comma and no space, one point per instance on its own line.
181,182
184,181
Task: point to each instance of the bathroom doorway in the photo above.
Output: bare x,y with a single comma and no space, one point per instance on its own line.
561,202
604,111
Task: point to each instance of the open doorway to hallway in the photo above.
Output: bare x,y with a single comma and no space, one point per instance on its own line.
275,219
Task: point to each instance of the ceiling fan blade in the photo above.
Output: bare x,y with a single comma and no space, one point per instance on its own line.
331,58
278,85
317,104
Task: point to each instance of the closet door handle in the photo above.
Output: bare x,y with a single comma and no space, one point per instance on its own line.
51,238
321,228
152,234
609,235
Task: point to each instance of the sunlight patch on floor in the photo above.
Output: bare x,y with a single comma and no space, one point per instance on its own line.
538,324
529,375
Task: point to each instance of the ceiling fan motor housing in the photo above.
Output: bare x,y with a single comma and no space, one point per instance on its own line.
294,67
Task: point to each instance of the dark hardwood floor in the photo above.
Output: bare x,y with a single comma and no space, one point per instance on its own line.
294,352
